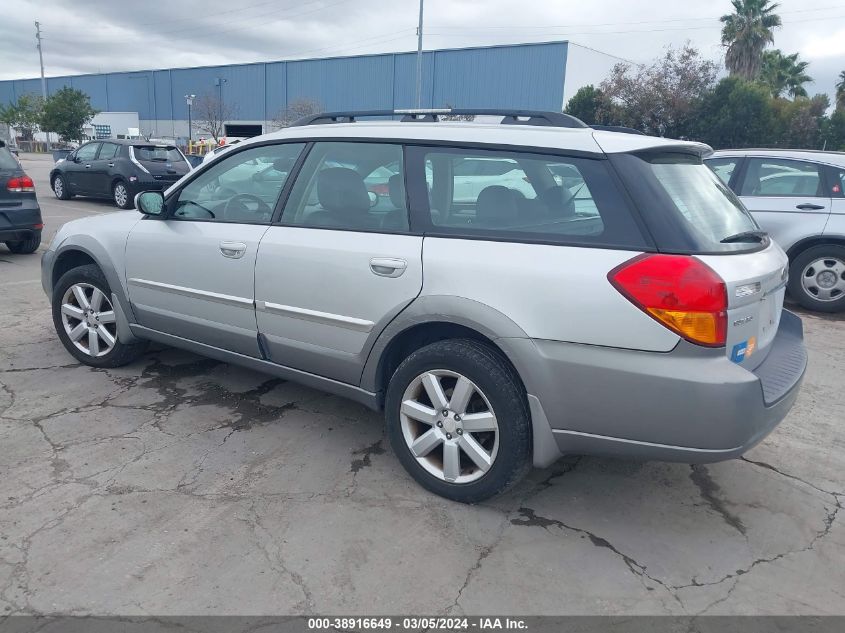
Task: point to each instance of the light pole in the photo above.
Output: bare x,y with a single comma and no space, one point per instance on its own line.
189,99
220,81
419,57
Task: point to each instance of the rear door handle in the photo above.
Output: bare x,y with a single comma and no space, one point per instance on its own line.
232,250
111,164
807,206
88,166
388,266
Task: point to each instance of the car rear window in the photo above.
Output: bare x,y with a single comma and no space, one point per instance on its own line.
7,160
687,207
162,154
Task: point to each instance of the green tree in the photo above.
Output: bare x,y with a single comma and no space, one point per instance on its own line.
24,115
745,33
840,91
660,98
784,74
833,132
736,114
589,105
800,123
66,112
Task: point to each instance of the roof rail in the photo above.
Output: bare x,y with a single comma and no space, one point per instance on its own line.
509,117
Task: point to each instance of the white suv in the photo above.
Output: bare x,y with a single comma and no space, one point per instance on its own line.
618,301
798,197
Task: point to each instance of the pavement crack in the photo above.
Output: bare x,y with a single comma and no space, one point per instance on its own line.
376,448
709,489
530,518
768,466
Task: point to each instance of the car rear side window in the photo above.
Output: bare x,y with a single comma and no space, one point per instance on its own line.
108,150
350,186
776,177
687,207
523,196
7,160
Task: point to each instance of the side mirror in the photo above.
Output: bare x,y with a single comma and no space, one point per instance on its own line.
150,203
373,198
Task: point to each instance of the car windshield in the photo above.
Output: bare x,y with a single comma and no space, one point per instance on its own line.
7,160
159,153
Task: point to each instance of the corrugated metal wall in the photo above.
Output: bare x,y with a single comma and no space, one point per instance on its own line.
512,76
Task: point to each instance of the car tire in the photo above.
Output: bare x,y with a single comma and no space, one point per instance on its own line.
24,247
60,188
438,442
90,337
817,278
120,195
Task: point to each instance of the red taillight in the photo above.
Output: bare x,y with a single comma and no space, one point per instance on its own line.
681,292
20,184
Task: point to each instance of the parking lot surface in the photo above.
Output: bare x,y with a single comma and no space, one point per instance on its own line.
181,485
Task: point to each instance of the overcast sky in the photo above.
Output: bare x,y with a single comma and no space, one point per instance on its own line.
87,36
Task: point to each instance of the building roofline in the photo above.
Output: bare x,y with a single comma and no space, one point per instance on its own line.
294,59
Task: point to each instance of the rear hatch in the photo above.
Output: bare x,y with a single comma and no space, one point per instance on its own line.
9,168
163,162
689,211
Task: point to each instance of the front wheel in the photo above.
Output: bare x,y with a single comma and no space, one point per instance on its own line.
817,278
120,193
458,420
85,321
60,188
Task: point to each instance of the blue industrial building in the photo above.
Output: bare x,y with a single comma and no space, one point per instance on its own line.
508,76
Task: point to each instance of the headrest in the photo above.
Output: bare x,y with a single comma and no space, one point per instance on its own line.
496,205
340,189
396,189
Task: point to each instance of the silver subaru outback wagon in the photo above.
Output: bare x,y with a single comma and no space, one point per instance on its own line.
508,290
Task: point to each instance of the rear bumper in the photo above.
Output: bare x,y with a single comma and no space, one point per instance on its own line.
691,405
20,222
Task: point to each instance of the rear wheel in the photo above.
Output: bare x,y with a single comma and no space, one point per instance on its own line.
23,247
458,420
817,278
120,194
60,188
85,321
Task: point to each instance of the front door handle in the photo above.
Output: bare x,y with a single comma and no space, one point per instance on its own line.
111,164
388,266
807,206
87,166
232,250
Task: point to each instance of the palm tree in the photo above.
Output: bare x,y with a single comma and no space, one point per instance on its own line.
784,73
840,91
746,32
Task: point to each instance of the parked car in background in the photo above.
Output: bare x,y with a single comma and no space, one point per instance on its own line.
118,169
20,214
605,294
797,197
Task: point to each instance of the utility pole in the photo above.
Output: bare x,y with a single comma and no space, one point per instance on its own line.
220,81
40,59
419,57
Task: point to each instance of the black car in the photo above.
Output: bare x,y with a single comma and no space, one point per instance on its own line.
20,215
118,169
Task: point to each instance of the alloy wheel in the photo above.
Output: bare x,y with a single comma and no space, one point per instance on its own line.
58,186
824,279
120,194
449,426
88,319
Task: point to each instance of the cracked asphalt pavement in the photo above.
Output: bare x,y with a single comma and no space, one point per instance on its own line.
180,485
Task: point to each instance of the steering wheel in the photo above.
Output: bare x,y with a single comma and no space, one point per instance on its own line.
241,199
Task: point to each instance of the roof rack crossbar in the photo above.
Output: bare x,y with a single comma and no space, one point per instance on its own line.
509,117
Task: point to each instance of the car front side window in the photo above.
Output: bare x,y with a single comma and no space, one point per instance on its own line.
241,187
87,152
